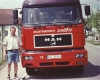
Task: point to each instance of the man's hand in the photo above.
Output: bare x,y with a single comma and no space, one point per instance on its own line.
5,55
20,54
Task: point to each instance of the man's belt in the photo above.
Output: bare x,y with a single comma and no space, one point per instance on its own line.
13,50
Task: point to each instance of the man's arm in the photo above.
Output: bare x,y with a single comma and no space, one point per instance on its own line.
20,45
5,47
4,50
20,49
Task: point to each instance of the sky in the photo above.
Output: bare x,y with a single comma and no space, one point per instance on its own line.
11,4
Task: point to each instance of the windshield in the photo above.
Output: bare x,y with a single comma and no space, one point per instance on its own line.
62,14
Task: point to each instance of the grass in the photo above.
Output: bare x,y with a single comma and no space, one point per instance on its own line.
3,62
93,42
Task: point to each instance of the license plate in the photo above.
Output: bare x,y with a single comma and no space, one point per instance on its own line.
54,57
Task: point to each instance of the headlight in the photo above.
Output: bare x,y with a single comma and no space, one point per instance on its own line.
79,55
28,58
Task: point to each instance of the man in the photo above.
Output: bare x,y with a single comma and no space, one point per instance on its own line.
12,47
58,17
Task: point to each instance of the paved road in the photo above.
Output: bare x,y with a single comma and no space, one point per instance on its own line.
91,70
3,72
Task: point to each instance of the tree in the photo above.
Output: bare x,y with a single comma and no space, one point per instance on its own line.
96,20
89,20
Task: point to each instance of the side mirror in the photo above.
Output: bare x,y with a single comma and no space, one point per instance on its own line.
87,10
15,16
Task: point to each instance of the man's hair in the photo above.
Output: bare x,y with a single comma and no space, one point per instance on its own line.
12,28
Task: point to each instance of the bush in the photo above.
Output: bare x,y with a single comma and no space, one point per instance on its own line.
94,42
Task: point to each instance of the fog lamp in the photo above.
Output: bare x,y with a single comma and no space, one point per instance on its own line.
28,58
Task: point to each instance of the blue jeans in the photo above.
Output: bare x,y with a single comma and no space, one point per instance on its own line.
12,56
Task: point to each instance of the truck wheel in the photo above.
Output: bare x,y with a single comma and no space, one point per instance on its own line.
29,71
79,69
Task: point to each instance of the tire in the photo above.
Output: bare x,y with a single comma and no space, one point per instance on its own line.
29,71
79,69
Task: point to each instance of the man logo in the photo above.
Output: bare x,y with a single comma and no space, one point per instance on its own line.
53,39
52,35
52,43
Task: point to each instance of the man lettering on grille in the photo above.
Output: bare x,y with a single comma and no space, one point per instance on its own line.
12,47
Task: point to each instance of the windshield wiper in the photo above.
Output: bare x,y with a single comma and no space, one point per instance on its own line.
35,24
42,24
50,23
39,25
65,23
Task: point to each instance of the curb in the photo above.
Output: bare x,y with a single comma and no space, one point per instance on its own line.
92,45
2,66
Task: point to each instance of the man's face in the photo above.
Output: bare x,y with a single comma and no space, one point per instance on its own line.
12,30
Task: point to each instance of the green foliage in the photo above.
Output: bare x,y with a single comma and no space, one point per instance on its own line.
3,62
94,20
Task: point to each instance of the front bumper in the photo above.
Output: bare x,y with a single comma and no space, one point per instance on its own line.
67,59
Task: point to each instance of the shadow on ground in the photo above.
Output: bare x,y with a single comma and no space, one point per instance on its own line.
90,70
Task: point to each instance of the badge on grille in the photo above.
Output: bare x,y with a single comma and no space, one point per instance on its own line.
52,43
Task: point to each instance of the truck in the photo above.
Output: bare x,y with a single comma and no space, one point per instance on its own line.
53,35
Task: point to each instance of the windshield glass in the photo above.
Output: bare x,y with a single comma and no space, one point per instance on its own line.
62,14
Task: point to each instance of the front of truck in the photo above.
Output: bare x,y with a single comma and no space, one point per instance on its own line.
53,34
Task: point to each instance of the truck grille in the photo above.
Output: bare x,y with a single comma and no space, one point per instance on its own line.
53,40
46,64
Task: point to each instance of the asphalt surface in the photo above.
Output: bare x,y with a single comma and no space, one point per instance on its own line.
91,70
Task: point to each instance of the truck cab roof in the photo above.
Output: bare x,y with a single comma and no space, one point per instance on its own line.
39,3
